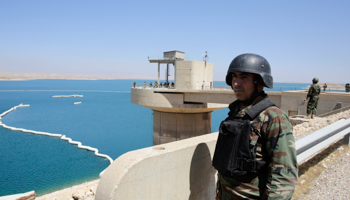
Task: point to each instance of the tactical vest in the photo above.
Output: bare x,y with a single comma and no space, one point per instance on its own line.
232,156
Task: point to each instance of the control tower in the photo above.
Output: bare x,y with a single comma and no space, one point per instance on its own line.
175,118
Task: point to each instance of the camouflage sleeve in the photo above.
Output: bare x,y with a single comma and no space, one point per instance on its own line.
309,93
280,146
318,90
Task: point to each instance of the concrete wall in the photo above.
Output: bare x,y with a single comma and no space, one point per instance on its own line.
176,170
193,74
292,101
212,96
223,96
275,97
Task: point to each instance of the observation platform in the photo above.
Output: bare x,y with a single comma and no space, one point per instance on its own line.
182,109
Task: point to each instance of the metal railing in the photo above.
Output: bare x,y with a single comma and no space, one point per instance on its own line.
158,57
286,88
153,87
266,89
314,142
221,87
226,87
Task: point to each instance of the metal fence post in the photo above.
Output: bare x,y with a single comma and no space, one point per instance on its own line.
346,139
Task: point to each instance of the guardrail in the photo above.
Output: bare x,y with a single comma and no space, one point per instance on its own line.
314,142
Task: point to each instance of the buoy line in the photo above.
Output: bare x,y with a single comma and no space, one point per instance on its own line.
63,137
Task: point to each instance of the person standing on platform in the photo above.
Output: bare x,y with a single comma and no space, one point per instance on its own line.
255,152
324,86
312,97
347,87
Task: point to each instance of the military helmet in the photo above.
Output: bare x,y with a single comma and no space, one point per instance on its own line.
251,63
315,80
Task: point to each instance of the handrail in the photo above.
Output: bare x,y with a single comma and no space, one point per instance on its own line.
314,142
280,88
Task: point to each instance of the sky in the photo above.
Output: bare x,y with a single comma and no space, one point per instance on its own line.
300,39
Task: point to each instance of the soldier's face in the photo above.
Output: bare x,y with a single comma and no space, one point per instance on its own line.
243,85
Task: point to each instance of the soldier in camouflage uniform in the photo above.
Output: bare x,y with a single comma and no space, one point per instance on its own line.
270,140
313,96
325,87
347,87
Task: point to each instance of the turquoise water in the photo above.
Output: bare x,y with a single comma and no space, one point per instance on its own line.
106,120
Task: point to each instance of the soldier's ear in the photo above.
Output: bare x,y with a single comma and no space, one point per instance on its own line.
259,82
261,86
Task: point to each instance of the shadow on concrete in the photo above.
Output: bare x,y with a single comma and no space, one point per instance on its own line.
202,174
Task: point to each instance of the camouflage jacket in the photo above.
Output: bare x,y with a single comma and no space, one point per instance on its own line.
314,90
277,146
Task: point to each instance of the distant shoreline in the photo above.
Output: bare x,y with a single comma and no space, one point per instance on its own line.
329,85
6,76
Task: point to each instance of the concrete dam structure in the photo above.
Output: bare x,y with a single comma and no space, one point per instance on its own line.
176,167
184,109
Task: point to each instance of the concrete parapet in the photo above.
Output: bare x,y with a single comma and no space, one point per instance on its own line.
176,170
335,111
177,98
292,102
275,96
171,101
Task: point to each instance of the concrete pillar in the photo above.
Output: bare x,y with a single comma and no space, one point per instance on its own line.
167,72
169,127
174,75
158,72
